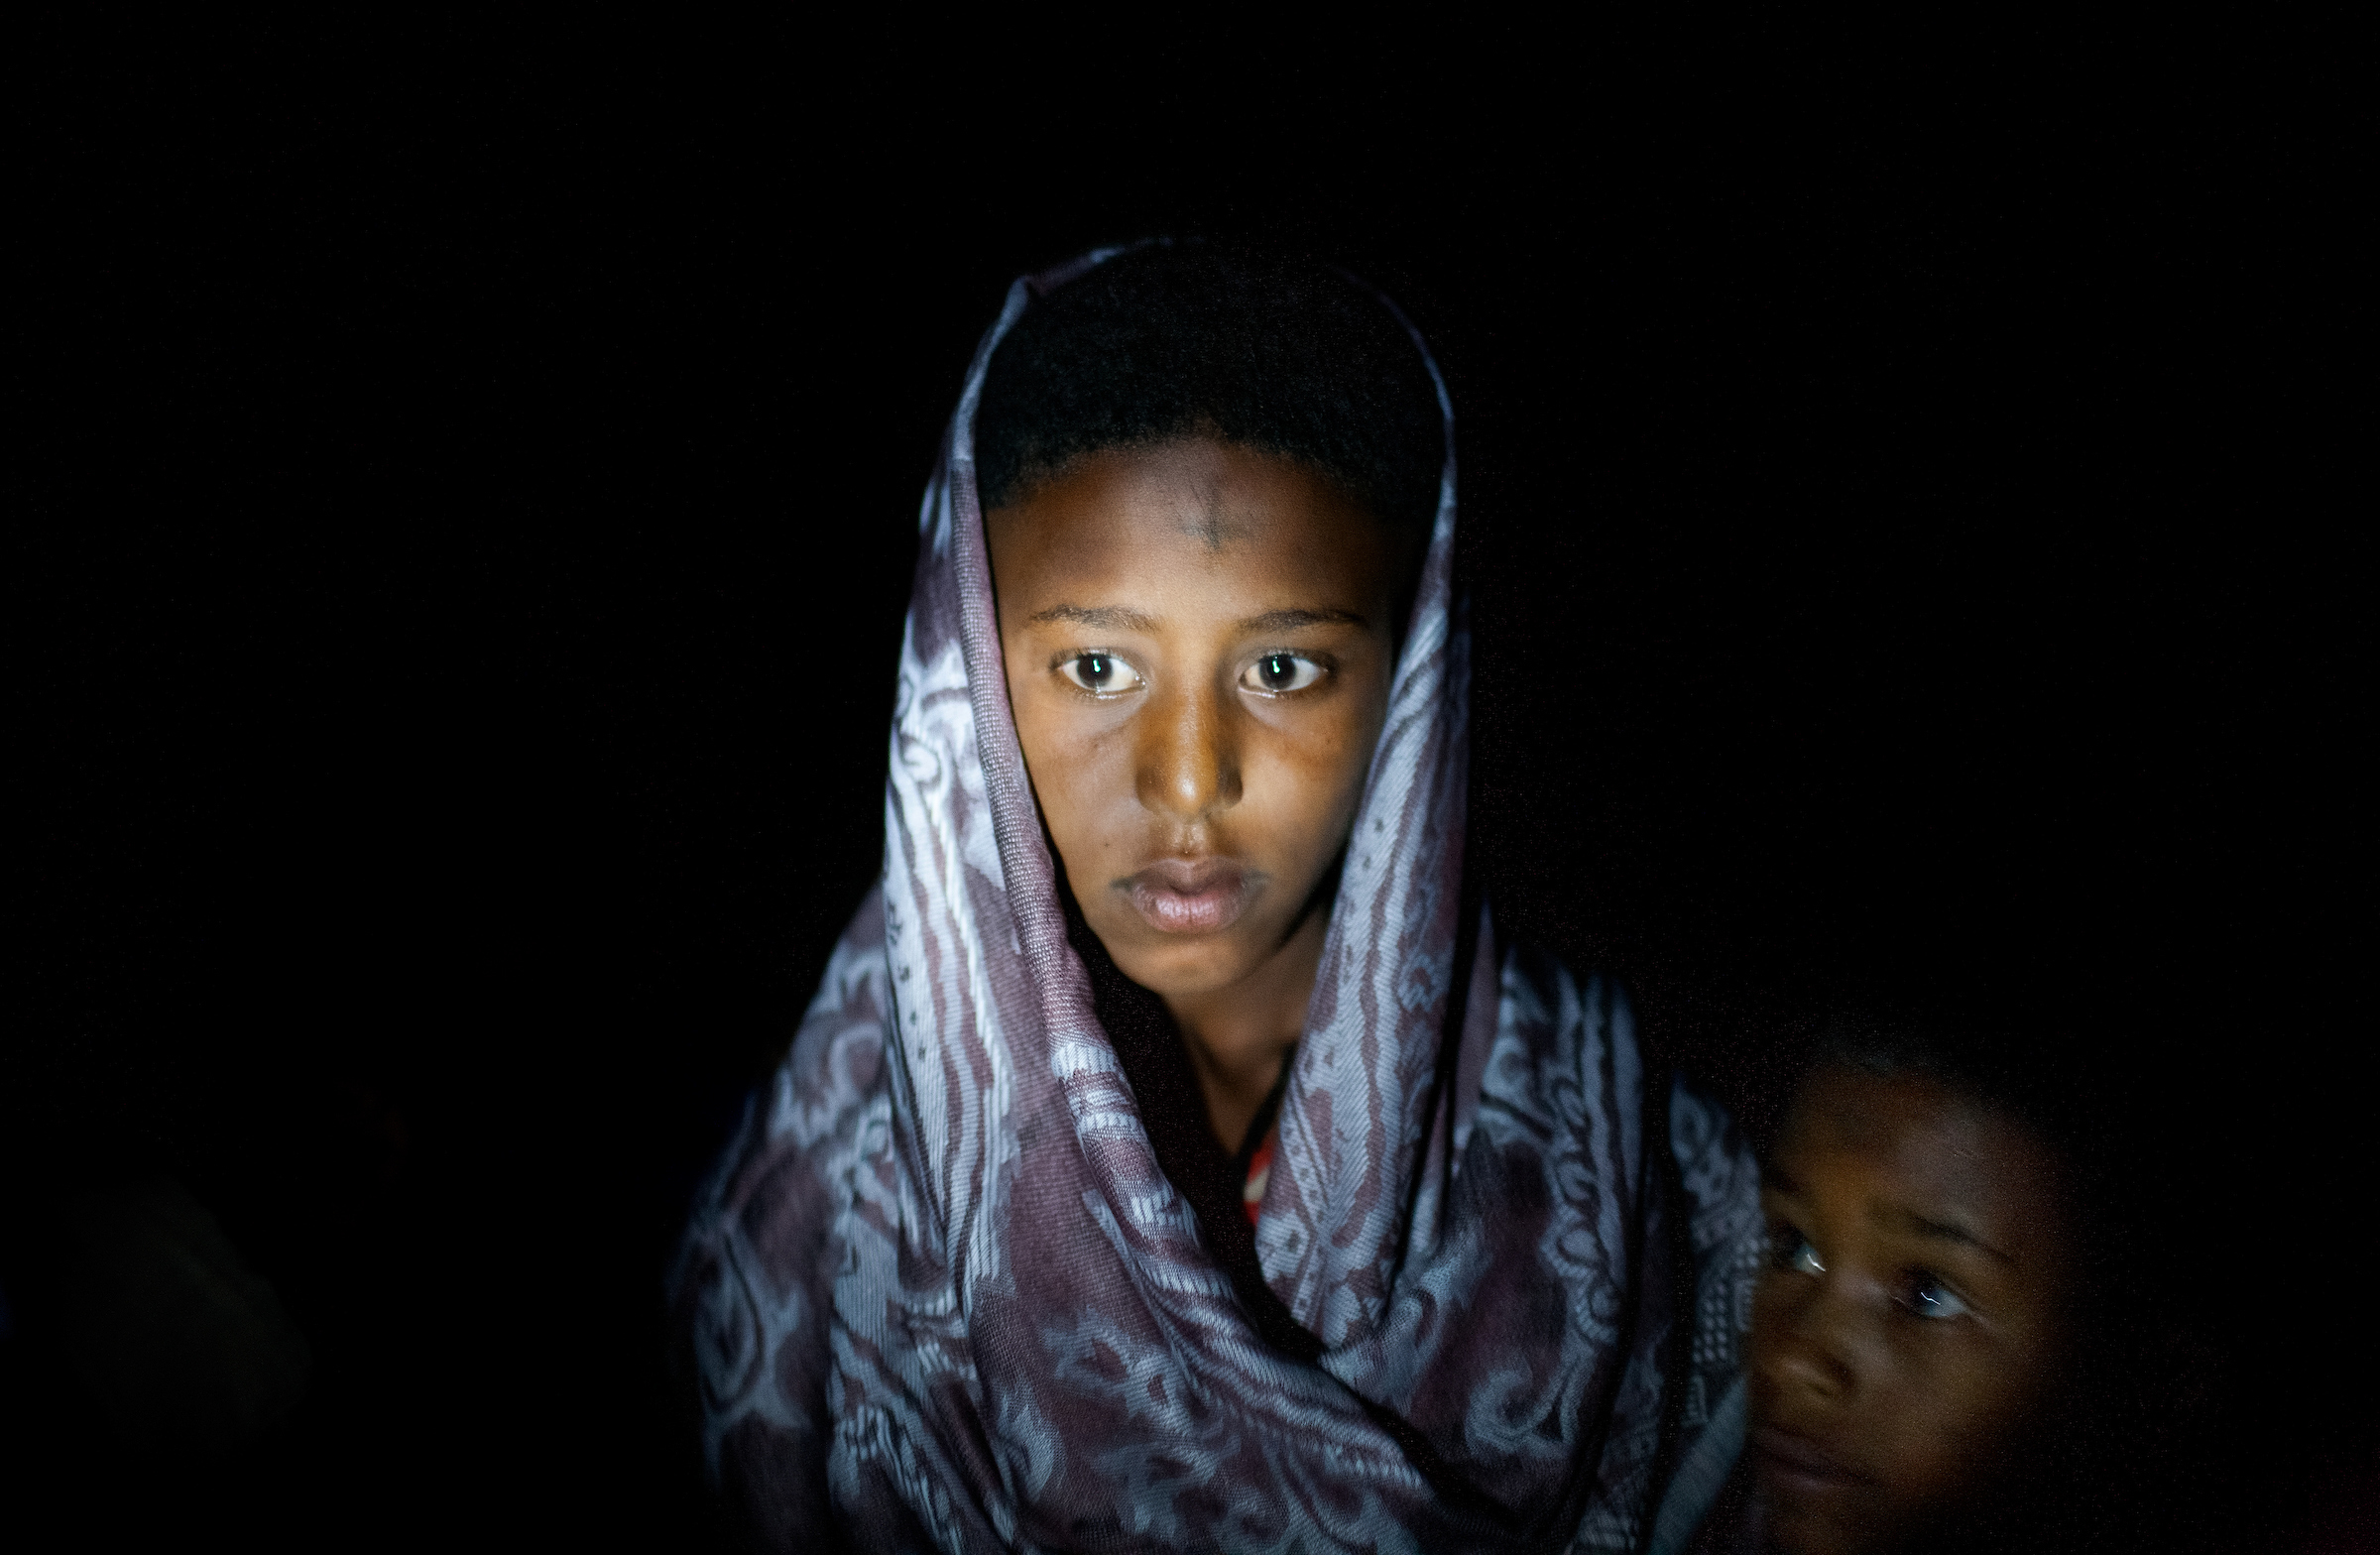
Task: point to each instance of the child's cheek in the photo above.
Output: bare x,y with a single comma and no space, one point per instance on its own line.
1952,1423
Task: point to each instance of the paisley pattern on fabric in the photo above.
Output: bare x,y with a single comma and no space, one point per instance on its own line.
938,1294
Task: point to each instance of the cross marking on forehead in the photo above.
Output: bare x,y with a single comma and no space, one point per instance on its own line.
1212,523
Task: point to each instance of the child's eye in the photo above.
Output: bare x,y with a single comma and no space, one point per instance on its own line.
1276,673
1100,675
1927,1296
1791,1251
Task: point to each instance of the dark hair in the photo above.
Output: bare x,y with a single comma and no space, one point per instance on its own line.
1202,339
2028,1075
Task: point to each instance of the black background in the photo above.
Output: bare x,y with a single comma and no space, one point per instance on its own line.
470,522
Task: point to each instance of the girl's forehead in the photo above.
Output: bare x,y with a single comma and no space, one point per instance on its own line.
1180,512
1917,1138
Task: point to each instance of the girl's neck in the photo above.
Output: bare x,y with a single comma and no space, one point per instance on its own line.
1239,1037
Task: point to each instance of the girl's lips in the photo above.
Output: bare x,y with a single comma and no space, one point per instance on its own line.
1802,1464
1190,896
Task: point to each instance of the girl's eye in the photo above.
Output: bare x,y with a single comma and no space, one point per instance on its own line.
1929,1297
1791,1251
1276,673
1100,675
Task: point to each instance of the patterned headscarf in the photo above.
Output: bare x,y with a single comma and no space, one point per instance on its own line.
939,1293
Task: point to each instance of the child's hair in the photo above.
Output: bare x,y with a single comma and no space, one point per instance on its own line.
2028,1074
1178,339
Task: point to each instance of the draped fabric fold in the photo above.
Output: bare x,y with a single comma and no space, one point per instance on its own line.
939,1293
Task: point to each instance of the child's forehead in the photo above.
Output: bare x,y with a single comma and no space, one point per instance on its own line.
1189,509
1920,1135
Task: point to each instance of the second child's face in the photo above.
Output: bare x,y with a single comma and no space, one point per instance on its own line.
1198,651
1909,1317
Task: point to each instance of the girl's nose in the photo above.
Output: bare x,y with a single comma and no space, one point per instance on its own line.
1189,763
1817,1345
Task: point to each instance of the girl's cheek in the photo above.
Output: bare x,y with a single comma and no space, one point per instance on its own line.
1958,1419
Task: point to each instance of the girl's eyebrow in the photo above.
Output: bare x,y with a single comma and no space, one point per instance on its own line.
1291,620
1112,617
1940,1230
1120,618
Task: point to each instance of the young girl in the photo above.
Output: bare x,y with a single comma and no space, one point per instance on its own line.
1173,1158
1947,1344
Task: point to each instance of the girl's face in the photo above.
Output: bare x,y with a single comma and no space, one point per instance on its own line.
1909,1316
1198,651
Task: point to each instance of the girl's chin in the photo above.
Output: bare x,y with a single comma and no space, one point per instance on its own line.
1181,967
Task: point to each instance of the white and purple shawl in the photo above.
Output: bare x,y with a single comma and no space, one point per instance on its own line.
940,1295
